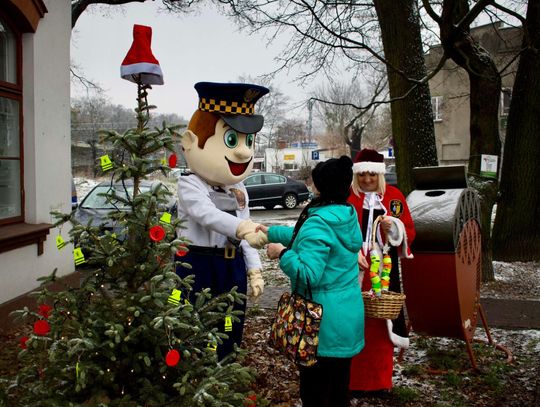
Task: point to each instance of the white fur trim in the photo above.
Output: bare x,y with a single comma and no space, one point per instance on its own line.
151,73
396,340
369,166
398,237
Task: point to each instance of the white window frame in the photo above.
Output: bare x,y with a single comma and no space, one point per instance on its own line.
505,107
436,107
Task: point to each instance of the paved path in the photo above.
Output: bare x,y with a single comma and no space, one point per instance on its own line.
500,312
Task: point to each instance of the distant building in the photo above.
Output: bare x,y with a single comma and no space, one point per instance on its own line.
291,161
450,91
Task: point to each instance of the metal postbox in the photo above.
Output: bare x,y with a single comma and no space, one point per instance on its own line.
442,281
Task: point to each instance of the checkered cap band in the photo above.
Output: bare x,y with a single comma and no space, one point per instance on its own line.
222,106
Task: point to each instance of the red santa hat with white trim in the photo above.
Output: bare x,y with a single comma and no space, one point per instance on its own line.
368,160
140,65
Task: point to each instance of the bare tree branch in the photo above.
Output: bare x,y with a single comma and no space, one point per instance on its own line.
429,10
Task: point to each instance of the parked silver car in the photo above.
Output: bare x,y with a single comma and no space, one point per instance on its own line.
96,207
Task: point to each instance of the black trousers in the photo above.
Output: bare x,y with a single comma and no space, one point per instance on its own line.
213,271
325,384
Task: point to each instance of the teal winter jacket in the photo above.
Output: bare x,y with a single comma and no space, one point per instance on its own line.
325,251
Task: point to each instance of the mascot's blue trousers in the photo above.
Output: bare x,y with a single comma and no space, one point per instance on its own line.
215,269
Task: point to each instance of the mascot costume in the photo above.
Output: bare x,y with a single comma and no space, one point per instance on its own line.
218,147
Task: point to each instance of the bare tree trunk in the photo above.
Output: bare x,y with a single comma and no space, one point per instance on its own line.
485,90
356,139
516,235
412,120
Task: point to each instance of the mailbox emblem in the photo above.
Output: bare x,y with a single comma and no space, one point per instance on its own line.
396,208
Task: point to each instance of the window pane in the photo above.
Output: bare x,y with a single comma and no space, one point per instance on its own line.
254,180
10,189
273,179
9,128
8,54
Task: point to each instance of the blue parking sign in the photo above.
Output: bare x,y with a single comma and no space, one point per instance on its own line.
314,155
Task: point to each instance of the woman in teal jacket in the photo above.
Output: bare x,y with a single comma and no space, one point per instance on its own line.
325,252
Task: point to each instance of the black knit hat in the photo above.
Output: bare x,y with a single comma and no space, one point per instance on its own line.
333,178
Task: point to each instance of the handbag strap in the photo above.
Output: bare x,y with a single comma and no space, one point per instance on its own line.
301,220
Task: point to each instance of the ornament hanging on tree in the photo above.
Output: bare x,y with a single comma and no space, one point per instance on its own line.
78,256
106,163
157,233
182,251
172,358
60,242
44,310
175,297
166,218
251,400
22,342
172,161
41,327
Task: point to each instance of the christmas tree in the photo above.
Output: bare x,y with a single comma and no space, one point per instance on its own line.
128,336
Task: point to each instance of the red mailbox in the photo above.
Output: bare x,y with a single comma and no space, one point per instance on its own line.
442,281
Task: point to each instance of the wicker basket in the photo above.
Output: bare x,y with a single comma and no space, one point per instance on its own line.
387,306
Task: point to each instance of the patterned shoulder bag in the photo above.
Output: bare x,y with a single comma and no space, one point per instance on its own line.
295,329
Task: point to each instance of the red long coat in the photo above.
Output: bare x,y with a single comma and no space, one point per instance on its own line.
372,368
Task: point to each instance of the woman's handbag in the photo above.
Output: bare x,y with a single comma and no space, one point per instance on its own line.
295,329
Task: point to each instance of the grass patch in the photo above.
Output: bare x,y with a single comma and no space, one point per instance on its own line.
405,394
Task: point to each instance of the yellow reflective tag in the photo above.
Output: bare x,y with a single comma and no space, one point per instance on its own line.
78,256
60,243
106,163
175,296
228,323
165,218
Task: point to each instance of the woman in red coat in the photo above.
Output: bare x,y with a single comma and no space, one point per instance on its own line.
371,370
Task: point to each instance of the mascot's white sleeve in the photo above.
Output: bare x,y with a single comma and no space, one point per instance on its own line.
206,225
200,213
251,255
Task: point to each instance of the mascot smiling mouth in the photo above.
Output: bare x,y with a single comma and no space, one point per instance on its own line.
238,168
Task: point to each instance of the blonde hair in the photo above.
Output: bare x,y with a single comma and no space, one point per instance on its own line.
381,185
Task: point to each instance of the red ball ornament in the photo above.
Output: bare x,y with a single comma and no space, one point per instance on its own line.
41,327
157,233
44,310
251,400
172,358
182,251
172,161
23,342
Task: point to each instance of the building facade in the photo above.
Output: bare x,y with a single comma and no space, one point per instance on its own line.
35,161
450,91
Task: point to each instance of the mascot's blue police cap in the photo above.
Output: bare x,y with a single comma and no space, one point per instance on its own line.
234,102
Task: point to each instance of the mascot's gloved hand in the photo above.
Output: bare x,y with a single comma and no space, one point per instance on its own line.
256,282
245,227
257,239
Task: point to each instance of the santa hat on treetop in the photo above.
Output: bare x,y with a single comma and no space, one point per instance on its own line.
140,65
368,160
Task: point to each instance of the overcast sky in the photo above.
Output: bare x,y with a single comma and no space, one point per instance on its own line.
190,49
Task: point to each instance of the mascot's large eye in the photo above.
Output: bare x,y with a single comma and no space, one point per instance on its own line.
231,138
249,139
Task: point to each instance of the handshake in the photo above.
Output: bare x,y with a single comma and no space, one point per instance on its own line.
254,233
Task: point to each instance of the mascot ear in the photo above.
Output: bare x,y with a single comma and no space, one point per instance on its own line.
189,139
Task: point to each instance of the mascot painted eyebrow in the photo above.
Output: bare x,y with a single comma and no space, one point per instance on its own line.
218,147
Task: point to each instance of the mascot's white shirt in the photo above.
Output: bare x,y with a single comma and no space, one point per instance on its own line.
205,224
